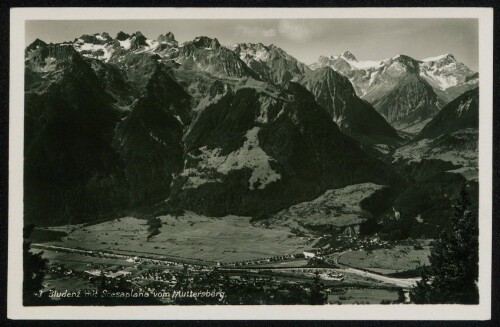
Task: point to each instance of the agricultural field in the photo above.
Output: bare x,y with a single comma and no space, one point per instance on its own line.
387,261
190,236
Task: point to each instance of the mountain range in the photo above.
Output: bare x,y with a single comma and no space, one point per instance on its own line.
406,91
114,125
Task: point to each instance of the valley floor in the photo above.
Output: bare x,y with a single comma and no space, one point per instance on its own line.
232,246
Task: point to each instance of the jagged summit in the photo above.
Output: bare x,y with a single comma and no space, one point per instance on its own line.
447,56
44,58
96,38
248,45
138,34
402,58
36,44
406,62
345,60
137,41
122,36
348,55
169,37
206,42
270,61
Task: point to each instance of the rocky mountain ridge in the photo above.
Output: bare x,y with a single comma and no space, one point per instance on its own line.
129,123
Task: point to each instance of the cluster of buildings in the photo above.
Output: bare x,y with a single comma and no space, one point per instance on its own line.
109,274
159,275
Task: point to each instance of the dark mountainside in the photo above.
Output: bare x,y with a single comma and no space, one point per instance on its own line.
69,122
150,138
448,149
117,126
354,116
294,155
461,113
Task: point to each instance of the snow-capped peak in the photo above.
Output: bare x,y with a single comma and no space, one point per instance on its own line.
252,51
441,57
445,71
351,59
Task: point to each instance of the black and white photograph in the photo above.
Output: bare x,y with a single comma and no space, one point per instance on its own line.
249,159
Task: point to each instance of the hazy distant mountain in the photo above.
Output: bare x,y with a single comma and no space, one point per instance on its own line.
407,92
358,72
448,77
401,95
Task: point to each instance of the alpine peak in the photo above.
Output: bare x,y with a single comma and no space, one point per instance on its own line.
405,60
138,34
445,57
122,36
36,44
348,55
166,37
138,41
97,38
206,42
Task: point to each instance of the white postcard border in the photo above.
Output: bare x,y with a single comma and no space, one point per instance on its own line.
263,312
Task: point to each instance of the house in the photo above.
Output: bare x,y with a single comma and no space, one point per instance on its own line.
118,274
93,272
133,259
308,254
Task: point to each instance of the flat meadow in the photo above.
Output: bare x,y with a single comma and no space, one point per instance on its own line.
190,236
387,261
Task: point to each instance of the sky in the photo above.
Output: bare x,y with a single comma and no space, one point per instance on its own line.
305,39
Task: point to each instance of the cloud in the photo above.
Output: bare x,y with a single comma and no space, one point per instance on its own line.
256,31
299,31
